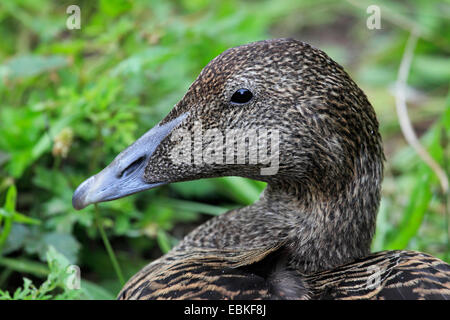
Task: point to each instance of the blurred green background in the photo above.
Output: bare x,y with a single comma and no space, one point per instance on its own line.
70,100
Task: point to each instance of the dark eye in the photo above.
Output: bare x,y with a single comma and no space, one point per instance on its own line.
242,96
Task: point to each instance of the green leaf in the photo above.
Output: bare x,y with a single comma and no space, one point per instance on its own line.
16,238
115,7
93,291
66,245
195,207
31,65
243,190
18,217
412,216
8,213
163,241
56,259
11,196
431,69
25,266
51,180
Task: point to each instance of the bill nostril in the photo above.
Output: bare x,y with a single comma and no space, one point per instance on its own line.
131,168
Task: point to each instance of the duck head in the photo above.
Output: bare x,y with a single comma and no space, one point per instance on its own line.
278,111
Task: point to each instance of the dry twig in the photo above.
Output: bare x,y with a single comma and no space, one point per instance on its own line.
405,123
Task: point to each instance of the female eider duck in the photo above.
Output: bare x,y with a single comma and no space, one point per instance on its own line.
309,235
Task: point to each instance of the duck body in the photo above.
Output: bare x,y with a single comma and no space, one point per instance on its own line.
309,235
202,268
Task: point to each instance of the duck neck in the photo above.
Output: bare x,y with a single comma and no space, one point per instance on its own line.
330,225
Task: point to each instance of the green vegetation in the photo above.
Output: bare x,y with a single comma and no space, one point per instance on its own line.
70,100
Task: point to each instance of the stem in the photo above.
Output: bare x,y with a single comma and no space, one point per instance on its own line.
405,122
5,232
108,247
25,266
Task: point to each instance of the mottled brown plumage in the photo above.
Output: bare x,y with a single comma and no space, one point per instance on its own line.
309,235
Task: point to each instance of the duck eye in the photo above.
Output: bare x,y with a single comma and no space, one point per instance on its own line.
242,96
